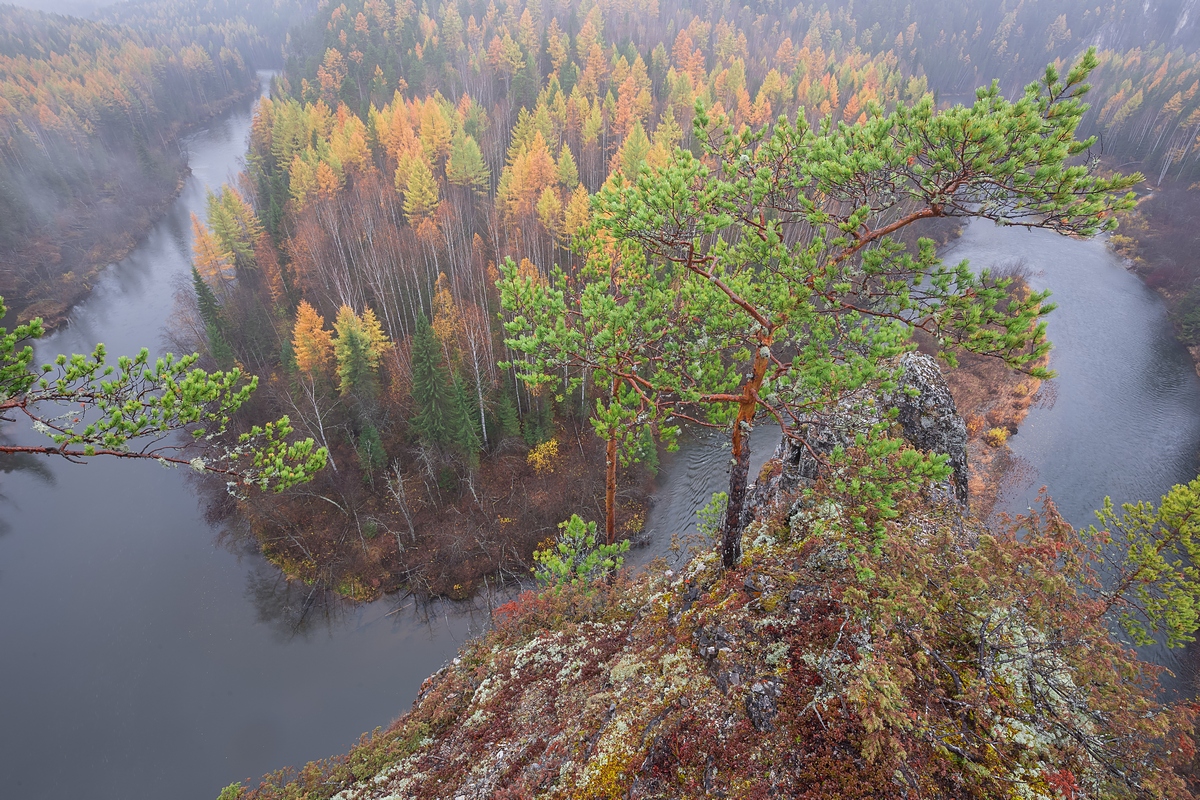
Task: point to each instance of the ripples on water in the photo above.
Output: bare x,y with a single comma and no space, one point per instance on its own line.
142,660
688,479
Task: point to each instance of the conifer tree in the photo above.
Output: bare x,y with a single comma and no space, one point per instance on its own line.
234,225
214,322
214,264
567,172
767,278
578,212
506,416
465,437
312,345
128,410
466,166
359,345
431,389
632,155
420,193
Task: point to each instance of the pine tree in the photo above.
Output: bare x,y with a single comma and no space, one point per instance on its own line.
703,326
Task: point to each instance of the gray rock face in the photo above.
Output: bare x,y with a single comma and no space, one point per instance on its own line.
925,413
928,417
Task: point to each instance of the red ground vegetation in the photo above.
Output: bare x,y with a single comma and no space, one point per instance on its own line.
801,673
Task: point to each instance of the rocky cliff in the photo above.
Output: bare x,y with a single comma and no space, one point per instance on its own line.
843,657
925,413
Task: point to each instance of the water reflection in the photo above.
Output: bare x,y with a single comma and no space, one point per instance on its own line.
165,663
292,608
33,466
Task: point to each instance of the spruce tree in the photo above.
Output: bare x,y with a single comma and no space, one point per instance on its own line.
359,346
506,415
465,432
214,322
431,387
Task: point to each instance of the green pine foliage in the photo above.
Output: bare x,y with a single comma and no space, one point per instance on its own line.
577,558
130,410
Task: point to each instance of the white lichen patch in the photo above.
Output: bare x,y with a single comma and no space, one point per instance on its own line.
625,669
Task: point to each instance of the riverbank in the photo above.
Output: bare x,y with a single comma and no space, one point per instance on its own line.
55,270
797,673
1156,241
146,644
992,399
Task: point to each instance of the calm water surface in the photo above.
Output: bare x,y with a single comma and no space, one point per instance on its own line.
1125,421
141,659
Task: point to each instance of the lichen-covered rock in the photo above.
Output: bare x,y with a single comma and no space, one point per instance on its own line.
926,415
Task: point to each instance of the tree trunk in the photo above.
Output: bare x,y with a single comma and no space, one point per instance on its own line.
610,491
739,470
610,479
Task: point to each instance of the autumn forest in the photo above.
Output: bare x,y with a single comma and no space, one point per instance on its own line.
486,264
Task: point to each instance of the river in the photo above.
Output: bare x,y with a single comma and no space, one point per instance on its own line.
146,657
1125,418
1124,422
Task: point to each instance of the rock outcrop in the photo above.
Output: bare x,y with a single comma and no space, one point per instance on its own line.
927,418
